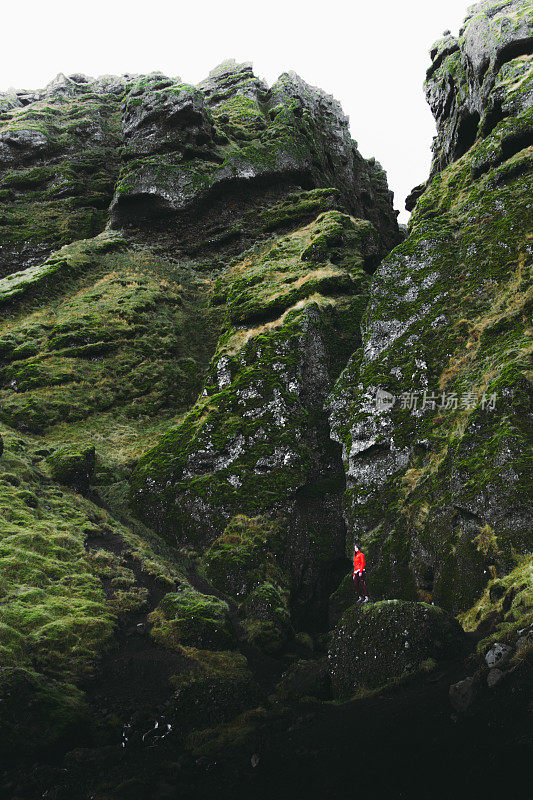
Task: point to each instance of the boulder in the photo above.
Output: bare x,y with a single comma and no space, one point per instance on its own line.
462,694
190,618
73,465
498,655
377,643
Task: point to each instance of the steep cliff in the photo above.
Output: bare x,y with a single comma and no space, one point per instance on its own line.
439,474
221,363
178,359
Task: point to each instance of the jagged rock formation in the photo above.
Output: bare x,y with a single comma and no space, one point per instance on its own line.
204,292
59,164
441,495
258,440
208,156
481,78
203,328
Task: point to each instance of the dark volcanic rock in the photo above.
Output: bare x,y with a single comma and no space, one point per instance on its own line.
479,79
379,642
438,481
199,282
232,136
257,440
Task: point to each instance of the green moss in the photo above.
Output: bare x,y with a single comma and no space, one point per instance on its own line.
214,687
267,623
60,594
65,199
453,302
252,388
505,607
188,617
73,466
296,208
68,263
281,277
117,331
244,556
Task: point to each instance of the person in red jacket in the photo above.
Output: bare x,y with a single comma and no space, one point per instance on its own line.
359,575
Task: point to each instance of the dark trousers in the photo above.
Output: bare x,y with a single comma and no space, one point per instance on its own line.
360,585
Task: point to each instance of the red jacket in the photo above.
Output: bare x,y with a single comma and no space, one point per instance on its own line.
358,562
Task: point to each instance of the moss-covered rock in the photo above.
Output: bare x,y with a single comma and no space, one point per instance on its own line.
267,623
97,328
438,481
505,607
59,160
480,76
73,466
185,144
188,617
377,643
245,563
245,556
257,440
243,447
68,571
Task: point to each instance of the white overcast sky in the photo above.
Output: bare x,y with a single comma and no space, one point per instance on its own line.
372,56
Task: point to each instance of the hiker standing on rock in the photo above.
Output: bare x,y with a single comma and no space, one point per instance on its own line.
359,575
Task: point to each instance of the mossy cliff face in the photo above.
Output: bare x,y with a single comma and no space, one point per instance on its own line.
59,160
184,271
257,440
480,78
198,305
441,496
98,328
205,156
69,571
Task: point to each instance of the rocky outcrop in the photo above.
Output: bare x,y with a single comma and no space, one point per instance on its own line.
58,165
181,356
481,78
257,440
434,411
204,157
378,643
